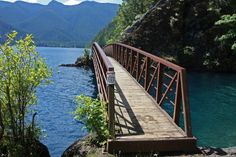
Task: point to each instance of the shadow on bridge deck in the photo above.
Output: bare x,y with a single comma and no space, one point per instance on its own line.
126,122
140,124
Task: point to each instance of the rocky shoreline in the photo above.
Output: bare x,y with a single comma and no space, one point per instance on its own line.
80,62
34,149
83,148
212,151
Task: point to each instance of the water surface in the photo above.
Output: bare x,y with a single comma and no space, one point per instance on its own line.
56,100
213,108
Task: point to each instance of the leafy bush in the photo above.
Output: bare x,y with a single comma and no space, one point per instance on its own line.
92,112
22,70
86,54
229,38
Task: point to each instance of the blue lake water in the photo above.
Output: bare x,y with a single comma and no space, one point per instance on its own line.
212,100
56,100
213,108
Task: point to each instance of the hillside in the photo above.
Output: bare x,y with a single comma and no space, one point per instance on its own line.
184,32
56,24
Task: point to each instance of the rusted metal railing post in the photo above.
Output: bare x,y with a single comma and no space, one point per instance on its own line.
111,106
185,101
159,83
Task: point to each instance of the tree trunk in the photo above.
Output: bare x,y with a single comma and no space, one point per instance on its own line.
9,107
1,123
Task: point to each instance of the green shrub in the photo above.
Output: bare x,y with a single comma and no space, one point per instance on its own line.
86,54
92,112
22,70
228,22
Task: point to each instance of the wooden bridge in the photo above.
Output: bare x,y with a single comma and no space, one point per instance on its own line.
148,105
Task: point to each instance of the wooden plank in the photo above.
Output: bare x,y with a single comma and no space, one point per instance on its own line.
152,145
144,110
142,125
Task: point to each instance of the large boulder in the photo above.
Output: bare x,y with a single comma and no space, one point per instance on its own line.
79,148
34,149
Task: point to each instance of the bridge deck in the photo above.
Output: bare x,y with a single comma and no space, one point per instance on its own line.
139,120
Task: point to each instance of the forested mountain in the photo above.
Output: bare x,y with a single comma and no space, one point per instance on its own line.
56,24
199,35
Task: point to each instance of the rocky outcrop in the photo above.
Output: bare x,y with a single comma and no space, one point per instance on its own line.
39,149
211,151
185,31
81,148
80,62
34,149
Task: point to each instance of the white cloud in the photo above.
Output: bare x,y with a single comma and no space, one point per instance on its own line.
9,0
72,2
29,1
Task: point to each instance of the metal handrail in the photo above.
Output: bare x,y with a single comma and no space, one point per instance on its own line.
164,81
105,77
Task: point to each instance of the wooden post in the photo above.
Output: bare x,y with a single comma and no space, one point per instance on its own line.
111,105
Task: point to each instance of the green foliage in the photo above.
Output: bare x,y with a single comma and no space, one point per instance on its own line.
187,56
128,12
229,23
22,70
105,35
92,113
189,50
86,54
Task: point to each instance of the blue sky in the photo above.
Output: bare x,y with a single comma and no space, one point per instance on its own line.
68,2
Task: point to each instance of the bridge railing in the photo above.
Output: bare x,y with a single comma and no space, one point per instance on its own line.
105,77
164,81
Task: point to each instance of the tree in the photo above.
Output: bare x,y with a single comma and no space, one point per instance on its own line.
229,38
22,70
127,14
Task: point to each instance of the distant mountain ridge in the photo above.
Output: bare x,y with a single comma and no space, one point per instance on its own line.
57,24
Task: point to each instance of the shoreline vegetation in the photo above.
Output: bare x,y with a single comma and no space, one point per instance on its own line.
22,70
83,61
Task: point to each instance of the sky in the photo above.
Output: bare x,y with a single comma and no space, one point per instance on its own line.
68,2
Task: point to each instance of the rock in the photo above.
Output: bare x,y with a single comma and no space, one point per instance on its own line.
79,148
68,65
172,25
39,149
34,149
211,151
80,62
